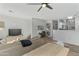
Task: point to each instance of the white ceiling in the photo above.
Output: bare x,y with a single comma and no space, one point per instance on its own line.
24,10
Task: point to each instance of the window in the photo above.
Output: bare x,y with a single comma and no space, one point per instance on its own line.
64,24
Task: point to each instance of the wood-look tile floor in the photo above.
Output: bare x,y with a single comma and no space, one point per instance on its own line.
74,50
72,53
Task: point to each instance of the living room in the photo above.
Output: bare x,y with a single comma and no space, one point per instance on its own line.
52,21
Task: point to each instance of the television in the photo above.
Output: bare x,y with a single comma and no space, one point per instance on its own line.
14,32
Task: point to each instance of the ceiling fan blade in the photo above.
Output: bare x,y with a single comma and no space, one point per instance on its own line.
48,6
33,3
39,9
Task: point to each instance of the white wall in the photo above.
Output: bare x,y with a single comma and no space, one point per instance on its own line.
68,36
13,22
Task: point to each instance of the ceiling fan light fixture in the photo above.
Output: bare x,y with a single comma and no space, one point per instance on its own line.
43,5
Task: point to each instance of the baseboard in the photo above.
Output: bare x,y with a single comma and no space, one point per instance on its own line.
70,44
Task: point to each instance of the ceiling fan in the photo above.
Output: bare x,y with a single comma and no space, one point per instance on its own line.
42,5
